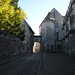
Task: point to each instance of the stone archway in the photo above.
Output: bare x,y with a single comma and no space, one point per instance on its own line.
36,47
37,44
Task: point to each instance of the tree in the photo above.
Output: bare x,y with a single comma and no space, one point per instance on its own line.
11,18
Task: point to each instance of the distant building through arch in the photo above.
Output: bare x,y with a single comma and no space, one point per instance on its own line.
36,47
37,44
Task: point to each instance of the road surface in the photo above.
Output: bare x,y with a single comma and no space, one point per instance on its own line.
40,64
26,65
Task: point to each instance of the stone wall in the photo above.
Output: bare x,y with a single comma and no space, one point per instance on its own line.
72,44
49,36
29,36
66,45
69,44
10,45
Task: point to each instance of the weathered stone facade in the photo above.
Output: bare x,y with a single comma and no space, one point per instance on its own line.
57,24
10,45
37,38
49,31
68,30
62,33
29,36
47,28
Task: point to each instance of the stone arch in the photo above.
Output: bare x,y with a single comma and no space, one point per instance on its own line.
36,47
37,44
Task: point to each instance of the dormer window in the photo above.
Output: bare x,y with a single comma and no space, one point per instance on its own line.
52,18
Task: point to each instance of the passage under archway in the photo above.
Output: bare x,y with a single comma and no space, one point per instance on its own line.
36,47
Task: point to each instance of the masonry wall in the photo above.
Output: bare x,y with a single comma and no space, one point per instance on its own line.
49,36
72,44
31,41
68,30
57,15
10,46
29,37
43,36
27,33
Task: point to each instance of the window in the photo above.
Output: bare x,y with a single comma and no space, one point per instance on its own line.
72,19
57,36
67,27
47,48
51,47
56,25
54,13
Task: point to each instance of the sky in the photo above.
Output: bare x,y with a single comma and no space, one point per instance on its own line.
37,10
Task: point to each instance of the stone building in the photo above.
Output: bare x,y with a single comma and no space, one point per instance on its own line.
68,30
57,34
49,31
29,36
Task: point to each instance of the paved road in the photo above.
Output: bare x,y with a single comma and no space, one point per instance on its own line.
57,64
26,65
50,64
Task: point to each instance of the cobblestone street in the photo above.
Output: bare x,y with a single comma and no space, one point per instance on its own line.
40,64
26,65
57,64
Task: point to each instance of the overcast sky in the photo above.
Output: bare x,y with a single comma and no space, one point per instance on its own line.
37,10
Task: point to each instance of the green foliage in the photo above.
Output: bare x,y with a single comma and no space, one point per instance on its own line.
11,18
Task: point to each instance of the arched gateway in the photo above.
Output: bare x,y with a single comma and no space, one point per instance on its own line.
37,44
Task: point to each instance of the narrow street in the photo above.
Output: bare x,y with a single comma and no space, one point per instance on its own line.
40,64
57,64
25,50
26,65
